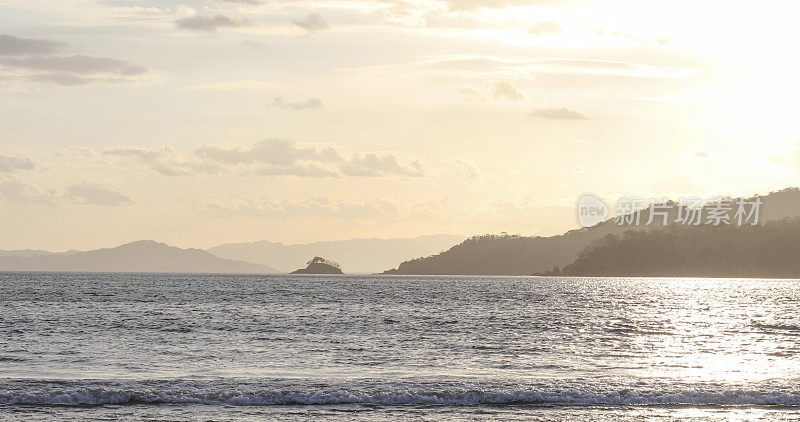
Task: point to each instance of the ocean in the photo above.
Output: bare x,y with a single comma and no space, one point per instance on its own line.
253,347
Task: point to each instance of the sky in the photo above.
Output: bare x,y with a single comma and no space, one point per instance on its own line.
205,122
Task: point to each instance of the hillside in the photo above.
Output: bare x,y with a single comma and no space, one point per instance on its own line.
771,250
140,256
357,255
319,265
520,255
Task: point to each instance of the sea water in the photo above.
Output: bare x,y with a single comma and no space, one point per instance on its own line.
254,347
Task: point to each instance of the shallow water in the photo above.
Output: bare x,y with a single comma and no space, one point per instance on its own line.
211,347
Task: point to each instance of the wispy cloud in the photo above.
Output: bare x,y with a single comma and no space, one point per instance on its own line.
270,157
16,192
14,46
499,90
485,67
310,104
462,5
76,65
247,2
163,160
235,85
95,194
312,23
36,60
208,23
560,113
323,208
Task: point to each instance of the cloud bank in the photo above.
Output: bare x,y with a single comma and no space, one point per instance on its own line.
270,157
9,164
37,61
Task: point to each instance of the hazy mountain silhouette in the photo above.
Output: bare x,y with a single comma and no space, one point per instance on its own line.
25,252
140,256
770,250
356,255
34,252
521,255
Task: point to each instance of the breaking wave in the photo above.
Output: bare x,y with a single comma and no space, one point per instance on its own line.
94,395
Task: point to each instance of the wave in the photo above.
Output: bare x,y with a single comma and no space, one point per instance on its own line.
94,396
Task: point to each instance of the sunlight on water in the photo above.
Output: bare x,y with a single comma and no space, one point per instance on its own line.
709,336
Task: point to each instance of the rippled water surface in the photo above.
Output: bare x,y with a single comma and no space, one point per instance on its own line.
216,347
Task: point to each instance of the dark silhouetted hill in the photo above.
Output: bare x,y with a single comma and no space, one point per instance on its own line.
770,250
319,265
521,255
140,256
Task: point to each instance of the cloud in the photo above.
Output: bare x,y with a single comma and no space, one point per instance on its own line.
513,69
472,93
94,194
35,59
323,208
310,104
235,85
208,23
560,113
371,165
162,160
282,157
700,154
506,90
77,64
65,79
498,90
10,164
268,151
247,2
312,23
789,157
466,169
270,157
465,5
15,192
13,46
546,28
299,170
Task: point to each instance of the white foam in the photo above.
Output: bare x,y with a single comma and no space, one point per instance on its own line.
191,395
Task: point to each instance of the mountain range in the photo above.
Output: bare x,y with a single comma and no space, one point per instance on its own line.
579,252
140,256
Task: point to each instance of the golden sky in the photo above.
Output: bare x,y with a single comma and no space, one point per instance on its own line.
203,122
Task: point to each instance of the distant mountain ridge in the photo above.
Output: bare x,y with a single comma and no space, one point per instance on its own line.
522,255
139,256
355,255
34,252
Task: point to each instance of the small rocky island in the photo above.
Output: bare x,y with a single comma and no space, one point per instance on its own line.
319,265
